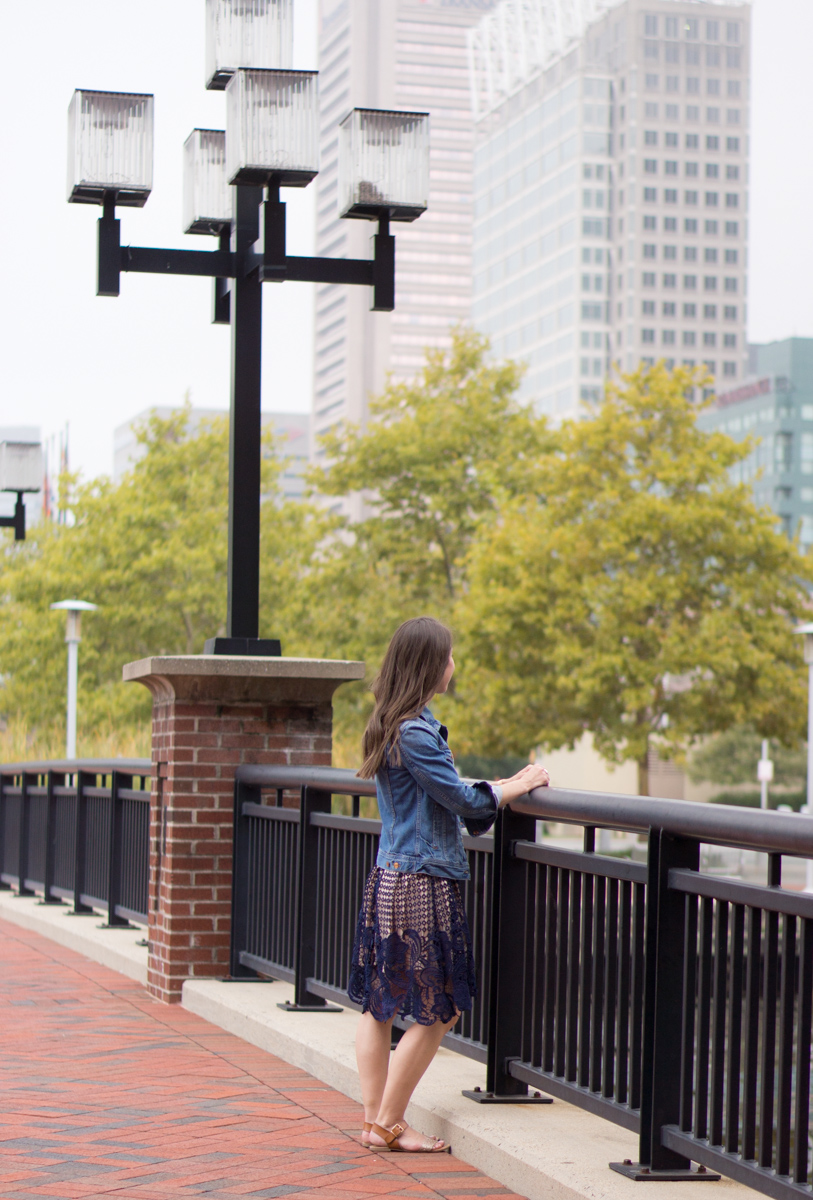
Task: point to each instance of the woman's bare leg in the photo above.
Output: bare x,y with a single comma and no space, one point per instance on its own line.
409,1061
373,1041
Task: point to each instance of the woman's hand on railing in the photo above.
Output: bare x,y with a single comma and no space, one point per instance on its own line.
532,776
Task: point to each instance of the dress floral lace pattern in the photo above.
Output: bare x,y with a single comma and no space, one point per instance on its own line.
412,952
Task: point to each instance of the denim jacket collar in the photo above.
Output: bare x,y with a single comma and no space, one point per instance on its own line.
430,718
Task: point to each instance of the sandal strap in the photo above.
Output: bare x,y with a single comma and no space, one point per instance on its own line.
390,1136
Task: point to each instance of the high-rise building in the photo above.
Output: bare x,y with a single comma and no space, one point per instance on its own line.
611,189
774,407
409,55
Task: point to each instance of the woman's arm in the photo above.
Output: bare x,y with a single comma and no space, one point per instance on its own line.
532,776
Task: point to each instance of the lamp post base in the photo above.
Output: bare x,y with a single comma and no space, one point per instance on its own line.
244,647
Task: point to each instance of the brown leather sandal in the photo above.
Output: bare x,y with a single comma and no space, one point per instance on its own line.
366,1128
391,1136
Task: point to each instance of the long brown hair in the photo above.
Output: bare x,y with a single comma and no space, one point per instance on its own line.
412,668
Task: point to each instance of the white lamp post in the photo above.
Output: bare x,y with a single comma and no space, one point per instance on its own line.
764,774
73,636
807,633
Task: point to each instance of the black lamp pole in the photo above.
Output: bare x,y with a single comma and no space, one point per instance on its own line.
239,268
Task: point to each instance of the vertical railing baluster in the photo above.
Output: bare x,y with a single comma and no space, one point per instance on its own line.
560,1045
586,978
638,968
313,800
597,998
803,1036
549,1010
610,991
718,1023
115,849
734,1048
689,1010
623,1004
80,844
574,959
705,992
23,836
48,896
753,976
240,900
768,1063
787,996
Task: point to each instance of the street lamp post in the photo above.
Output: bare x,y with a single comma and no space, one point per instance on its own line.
271,141
73,636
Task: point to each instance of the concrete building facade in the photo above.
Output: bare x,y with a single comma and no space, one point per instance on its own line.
611,189
409,55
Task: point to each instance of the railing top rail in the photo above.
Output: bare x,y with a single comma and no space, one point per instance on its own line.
749,828
69,766
337,780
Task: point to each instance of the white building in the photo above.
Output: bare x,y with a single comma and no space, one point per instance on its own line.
611,174
394,54
291,432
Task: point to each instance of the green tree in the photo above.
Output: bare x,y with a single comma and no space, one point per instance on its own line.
151,551
731,757
636,593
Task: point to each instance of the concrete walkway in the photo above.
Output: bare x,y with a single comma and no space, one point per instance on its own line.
106,1092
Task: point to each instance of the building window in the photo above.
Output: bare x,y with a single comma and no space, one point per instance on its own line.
668,337
692,112
672,114
690,282
712,171
651,26
730,312
651,111
732,172
712,199
690,225
731,257
732,144
709,312
651,50
669,308
648,308
670,224
650,195
690,197
710,365
690,311
649,278
732,31
585,366
650,222
670,281
670,252
691,169
647,335
651,83
673,81
671,139
710,283
692,142
690,253
729,369
730,285
670,196
732,116
592,312
732,200
730,341
807,461
689,338
710,228
710,340
650,251
710,255
650,137
671,54
670,168
712,31
783,451
733,88
651,166
732,60
713,85
692,86
732,228
691,28
713,116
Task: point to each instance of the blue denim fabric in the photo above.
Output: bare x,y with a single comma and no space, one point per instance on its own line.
423,801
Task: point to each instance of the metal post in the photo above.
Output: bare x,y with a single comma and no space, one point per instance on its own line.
114,851
245,430
23,838
306,905
48,896
243,793
508,915
5,781
80,846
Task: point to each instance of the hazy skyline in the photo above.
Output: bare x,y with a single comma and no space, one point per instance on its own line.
70,356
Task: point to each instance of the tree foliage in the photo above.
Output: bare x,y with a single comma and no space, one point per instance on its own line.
636,592
731,758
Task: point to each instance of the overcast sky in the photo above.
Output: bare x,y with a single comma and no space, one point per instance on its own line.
68,356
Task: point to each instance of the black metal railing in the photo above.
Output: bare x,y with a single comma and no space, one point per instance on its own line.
674,1003
78,830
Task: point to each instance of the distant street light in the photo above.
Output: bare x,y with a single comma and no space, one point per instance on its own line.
20,471
764,774
232,183
73,636
807,632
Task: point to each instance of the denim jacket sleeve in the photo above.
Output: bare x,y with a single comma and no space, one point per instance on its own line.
434,770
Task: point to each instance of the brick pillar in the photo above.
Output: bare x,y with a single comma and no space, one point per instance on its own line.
211,713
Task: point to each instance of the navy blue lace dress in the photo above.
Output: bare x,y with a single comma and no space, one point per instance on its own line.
412,951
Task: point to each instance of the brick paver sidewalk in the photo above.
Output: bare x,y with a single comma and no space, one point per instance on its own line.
106,1092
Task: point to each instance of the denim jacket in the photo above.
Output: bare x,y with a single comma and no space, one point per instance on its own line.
422,802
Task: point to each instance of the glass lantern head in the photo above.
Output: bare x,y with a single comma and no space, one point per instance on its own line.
272,127
21,467
256,34
110,147
207,197
383,164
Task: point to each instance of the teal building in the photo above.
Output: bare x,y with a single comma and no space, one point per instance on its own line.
774,405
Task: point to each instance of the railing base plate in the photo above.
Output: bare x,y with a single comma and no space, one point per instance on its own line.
50,903
117,925
314,1008
481,1097
648,1175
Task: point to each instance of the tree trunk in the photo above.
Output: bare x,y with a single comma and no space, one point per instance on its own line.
643,774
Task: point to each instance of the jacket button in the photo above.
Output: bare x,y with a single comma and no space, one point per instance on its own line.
396,866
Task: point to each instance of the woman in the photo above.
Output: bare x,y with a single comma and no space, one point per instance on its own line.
412,953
